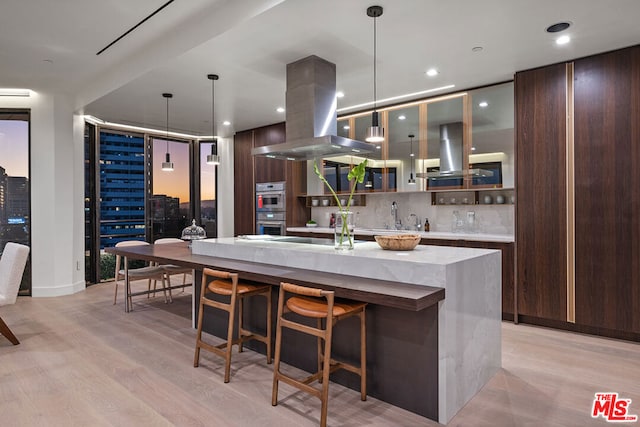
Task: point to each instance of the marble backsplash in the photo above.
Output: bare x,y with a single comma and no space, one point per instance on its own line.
489,219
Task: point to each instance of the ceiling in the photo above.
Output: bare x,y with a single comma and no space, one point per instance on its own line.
51,47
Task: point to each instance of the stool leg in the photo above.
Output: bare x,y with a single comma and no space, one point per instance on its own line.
169,288
227,359
363,356
269,326
319,339
325,372
240,341
276,363
196,356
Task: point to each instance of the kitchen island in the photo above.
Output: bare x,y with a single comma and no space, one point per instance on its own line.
464,327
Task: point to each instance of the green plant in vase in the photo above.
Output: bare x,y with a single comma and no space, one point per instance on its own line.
343,235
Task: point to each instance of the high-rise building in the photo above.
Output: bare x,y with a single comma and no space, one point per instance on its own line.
17,199
122,215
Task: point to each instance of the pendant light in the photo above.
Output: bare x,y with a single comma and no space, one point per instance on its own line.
168,164
375,133
213,158
412,180
369,182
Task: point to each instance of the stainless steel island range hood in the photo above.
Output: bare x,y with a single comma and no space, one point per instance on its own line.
311,124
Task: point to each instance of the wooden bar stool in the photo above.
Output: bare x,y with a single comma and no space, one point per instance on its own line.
318,304
227,284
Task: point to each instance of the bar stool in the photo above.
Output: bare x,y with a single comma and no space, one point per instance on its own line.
227,284
318,304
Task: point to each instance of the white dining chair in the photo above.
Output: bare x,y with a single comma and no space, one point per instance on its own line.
172,270
12,264
150,273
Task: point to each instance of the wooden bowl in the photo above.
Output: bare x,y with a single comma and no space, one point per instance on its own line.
398,242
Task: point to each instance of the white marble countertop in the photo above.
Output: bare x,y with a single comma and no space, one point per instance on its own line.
425,265
442,235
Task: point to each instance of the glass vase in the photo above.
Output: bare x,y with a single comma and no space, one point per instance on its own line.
343,233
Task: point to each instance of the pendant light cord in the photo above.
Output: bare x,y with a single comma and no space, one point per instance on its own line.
411,157
375,97
214,140
167,138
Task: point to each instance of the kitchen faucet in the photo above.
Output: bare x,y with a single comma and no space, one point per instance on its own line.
397,224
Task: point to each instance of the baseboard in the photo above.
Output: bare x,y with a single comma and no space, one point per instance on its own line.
583,329
57,291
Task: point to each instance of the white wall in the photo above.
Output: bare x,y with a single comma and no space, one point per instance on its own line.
225,195
57,194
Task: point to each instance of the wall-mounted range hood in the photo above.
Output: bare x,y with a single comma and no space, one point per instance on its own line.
451,153
311,124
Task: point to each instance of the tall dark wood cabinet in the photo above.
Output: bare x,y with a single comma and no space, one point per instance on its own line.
541,223
250,170
243,188
578,194
607,190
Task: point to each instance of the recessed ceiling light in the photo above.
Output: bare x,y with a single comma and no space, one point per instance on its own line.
339,94
477,49
346,127
401,117
563,40
483,104
378,147
280,110
431,72
556,28
226,123
473,148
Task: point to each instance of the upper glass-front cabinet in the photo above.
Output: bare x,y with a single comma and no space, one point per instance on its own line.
492,135
458,141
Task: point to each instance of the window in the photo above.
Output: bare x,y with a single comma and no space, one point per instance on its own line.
15,189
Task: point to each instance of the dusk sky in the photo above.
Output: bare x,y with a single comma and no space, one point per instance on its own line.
14,147
176,183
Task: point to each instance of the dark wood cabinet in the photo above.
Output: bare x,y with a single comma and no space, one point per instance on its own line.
607,190
578,194
269,170
243,187
250,170
541,212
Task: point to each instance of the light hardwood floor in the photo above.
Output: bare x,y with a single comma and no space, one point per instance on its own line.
84,362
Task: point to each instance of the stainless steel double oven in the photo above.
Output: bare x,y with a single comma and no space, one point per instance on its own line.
270,208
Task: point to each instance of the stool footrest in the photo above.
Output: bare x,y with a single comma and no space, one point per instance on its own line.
300,385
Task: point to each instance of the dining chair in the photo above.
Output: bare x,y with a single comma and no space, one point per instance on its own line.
12,264
170,269
150,273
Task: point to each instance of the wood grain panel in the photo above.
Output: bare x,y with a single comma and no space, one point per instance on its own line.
541,224
297,211
269,170
607,165
243,204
